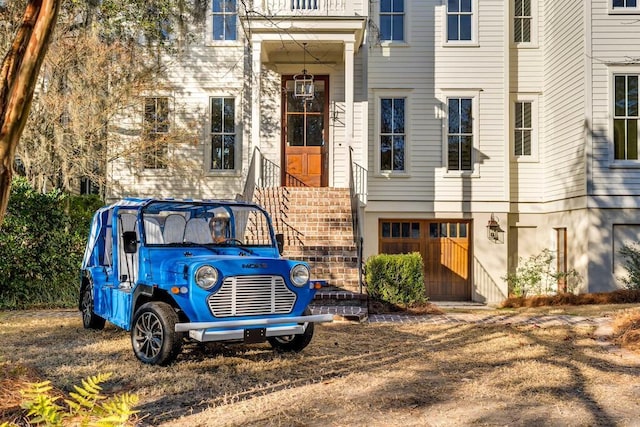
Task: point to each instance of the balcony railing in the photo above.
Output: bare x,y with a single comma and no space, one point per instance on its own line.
305,7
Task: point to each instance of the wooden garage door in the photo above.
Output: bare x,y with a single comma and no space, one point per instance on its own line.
445,249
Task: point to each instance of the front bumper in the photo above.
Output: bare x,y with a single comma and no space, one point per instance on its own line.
233,330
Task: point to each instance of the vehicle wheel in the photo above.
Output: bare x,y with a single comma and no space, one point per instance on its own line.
90,320
294,343
153,334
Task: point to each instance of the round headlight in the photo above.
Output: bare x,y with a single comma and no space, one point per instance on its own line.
206,276
300,275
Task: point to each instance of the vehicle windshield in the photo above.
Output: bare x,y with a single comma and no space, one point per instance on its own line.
189,223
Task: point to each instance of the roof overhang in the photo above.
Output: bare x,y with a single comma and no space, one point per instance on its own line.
284,40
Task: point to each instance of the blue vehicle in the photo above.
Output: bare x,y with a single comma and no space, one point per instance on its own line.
174,270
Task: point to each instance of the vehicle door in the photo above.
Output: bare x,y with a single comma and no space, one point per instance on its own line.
125,269
103,275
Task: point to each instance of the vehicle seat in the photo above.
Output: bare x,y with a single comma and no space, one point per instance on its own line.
174,227
197,231
152,231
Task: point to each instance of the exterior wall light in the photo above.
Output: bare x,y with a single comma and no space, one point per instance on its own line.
494,232
303,86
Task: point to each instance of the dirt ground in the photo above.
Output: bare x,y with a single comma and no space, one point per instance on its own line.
430,373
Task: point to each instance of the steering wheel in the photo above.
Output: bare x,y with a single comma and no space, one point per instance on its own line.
232,240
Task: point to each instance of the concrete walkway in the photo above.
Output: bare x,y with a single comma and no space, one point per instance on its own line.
491,319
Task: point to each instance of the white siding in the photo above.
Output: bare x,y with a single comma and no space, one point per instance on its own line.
191,80
208,69
562,142
527,79
615,45
408,68
430,71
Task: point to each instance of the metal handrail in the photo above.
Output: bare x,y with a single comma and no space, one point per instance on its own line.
357,191
270,174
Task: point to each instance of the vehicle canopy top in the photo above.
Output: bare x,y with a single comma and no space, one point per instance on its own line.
103,216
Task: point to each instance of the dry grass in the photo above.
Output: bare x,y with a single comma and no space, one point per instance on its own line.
351,374
622,296
626,324
626,330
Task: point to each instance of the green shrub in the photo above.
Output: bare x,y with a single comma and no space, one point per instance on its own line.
42,242
535,276
396,279
631,253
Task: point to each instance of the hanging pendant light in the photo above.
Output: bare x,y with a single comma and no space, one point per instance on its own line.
303,86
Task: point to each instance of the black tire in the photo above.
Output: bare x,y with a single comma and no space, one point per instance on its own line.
90,320
153,335
293,343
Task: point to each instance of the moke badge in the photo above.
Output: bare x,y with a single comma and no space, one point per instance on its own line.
255,265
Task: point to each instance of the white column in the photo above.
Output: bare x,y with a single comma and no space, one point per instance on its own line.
348,92
256,68
348,108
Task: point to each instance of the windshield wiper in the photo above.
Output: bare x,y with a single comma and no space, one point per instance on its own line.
203,245
236,243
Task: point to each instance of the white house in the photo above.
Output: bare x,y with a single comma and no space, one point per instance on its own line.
479,131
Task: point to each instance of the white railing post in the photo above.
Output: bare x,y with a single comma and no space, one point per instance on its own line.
306,7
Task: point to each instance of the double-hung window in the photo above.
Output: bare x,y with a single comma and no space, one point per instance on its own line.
392,134
461,20
460,134
523,128
392,20
624,4
155,129
522,21
625,116
224,18
223,134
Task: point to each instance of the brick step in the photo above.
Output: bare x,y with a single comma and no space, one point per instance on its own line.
325,260
343,304
319,228
321,250
339,294
344,244
333,272
302,192
336,275
342,313
298,239
348,284
316,224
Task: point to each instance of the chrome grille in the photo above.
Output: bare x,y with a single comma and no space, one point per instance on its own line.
251,296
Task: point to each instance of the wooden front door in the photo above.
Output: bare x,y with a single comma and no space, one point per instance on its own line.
304,134
445,249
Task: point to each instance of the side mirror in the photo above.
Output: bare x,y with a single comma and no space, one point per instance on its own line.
130,242
280,242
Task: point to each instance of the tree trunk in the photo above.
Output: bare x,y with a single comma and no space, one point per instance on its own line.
18,77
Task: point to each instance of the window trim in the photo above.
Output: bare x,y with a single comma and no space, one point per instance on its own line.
237,170
625,10
533,43
474,94
474,42
171,124
535,125
622,163
379,95
210,41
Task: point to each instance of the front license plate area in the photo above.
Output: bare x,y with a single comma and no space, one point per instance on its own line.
252,336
